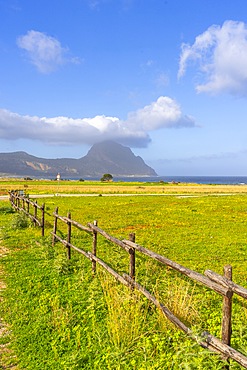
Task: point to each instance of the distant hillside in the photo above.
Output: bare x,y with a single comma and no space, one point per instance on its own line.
105,157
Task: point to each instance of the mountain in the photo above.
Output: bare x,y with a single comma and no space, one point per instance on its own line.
106,157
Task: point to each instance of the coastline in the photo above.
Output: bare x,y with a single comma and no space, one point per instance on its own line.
204,180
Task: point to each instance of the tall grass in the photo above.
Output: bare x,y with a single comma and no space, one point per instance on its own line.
178,296
126,313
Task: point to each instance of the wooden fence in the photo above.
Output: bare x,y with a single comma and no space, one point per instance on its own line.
220,284
21,203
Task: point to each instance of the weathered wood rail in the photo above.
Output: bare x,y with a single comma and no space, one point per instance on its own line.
222,285
21,203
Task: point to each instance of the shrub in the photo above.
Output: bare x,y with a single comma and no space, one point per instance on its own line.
20,221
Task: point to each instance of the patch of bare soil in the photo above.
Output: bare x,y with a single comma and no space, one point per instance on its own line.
7,358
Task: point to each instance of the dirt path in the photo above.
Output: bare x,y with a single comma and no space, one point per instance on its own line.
7,358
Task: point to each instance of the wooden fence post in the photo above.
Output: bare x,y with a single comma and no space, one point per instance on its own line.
43,220
132,271
226,329
35,213
54,227
69,237
94,248
11,198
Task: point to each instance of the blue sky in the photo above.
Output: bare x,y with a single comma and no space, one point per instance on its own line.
167,78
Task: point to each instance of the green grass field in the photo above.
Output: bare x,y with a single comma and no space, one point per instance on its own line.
57,316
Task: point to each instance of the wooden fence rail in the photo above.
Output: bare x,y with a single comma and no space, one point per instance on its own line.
220,284
21,203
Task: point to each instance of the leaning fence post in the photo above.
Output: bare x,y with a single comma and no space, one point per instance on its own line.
54,227
69,237
226,330
132,257
43,220
94,248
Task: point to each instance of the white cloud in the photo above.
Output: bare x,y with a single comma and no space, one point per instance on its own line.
45,52
221,56
164,113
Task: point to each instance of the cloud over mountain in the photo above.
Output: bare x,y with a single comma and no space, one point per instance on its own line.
163,113
220,55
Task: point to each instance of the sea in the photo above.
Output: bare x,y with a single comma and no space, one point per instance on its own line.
218,180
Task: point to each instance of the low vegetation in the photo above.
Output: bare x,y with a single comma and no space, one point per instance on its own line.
54,187
58,316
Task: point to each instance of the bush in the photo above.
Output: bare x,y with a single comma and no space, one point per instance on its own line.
20,221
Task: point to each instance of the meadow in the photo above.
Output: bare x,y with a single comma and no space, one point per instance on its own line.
116,187
56,315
